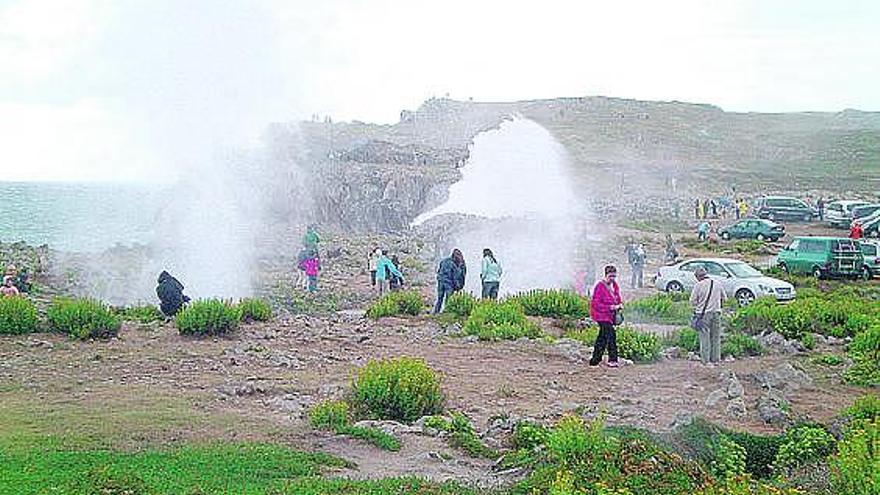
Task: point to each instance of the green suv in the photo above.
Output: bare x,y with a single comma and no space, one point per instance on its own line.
822,257
753,228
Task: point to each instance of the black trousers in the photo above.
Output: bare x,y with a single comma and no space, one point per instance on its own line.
607,338
373,278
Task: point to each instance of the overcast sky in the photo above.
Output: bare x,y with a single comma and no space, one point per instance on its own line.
130,90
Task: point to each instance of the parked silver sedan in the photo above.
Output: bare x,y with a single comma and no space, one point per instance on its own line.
738,279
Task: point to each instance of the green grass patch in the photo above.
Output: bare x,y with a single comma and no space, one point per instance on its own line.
82,318
739,345
460,304
142,313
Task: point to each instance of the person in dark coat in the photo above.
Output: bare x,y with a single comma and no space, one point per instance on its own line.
450,278
170,292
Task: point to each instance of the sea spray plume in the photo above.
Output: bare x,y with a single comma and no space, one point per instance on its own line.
517,193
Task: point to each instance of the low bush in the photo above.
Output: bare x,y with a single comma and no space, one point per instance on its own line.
803,445
405,302
330,415
685,338
464,438
729,457
17,315
828,360
253,309
401,389
504,320
460,304
553,303
582,458
855,467
82,318
865,408
864,350
659,308
143,313
335,416
808,341
528,435
813,312
207,317
760,451
631,343
740,345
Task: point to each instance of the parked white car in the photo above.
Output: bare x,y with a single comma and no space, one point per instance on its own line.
739,279
839,213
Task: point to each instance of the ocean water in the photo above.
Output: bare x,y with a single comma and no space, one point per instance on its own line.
80,217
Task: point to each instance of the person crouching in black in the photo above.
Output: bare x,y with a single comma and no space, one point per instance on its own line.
170,292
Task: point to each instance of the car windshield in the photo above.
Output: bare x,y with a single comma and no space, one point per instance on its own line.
742,270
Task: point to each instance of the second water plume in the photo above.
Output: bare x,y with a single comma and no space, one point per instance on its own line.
518,184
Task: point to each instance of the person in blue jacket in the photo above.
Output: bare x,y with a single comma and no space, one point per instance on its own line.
385,269
450,278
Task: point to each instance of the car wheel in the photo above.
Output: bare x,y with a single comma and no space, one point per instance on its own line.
817,273
674,287
745,297
725,236
761,237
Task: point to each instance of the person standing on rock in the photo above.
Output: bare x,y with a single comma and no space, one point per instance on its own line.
490,275
605,308
706,299
450,278
372,262
385,270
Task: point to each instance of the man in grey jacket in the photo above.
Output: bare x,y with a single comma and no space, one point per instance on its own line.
706,299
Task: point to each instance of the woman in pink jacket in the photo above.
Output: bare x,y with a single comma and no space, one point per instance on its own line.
605,303
312,266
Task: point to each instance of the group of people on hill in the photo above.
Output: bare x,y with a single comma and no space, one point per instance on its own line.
15,282
720,208
385,274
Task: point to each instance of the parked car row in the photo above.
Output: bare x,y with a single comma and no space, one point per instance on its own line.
840,213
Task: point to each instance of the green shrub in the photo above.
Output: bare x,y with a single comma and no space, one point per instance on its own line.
864,350
252,309
739,345
402,389
505,320
528,435
760,451
438,423
17,315
207,317
374,436
808,341
460,304
659,308
464,438
828,360
82,318
405,302
578,458
729,457
335,416
744,485
143,313
803,445
856,467
637,346
330,415
631,343
865,408
686,338
553,303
